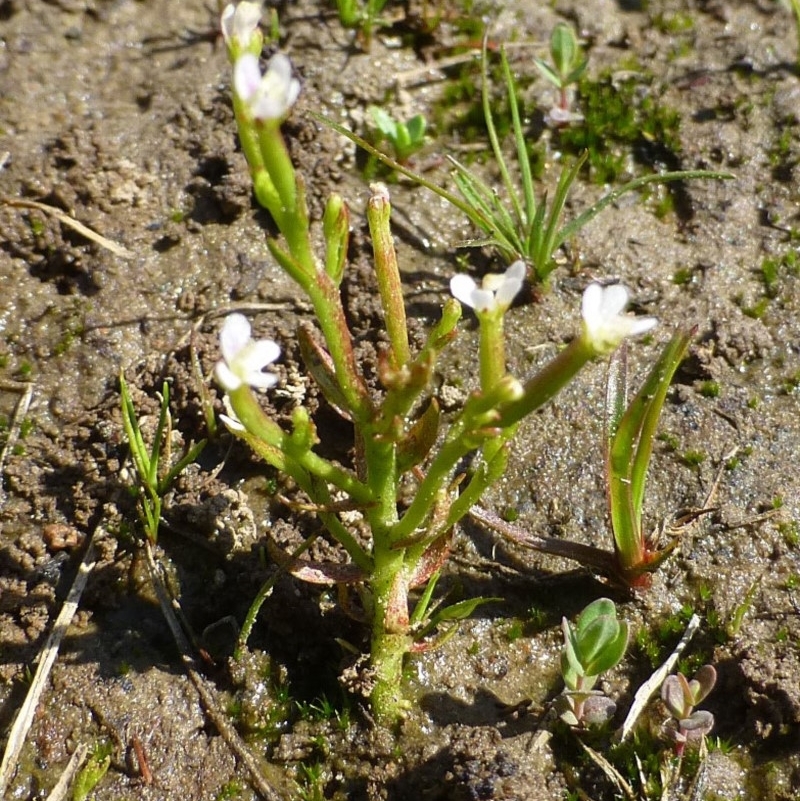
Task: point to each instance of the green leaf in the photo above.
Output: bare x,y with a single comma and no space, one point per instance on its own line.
384,123
630,451
416,129
563,48
587,216
612,652
92,772
547,72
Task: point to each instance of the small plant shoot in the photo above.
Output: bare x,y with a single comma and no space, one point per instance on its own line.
568,64
688,726
595,644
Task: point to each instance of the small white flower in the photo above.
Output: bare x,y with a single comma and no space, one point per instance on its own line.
497,291
270,96
243,359
604,324
240,22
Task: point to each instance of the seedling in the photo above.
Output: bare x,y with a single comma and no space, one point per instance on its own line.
688,727
361,16
630,433
568,65
594,645
154,469
406,138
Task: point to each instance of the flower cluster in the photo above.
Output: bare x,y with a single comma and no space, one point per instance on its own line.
269,96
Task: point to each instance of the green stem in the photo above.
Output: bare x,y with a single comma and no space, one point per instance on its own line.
262,427
391,289
390,622
289,211
549,381
492,349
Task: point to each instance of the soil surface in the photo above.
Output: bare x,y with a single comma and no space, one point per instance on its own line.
119,113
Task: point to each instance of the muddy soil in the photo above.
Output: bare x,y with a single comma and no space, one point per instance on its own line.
119,113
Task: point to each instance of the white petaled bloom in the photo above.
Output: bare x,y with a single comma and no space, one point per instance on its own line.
268,96
497,292
243,359
604,324
239,23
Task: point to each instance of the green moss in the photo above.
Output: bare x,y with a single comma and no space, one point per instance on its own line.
710,389
693,458
623,119
790,531
682,276
670,441
514,630
36,225
232,789
674,23
792,583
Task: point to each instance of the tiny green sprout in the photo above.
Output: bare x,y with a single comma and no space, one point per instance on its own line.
568,65
688,727
93,771
734,625
406,137
594,645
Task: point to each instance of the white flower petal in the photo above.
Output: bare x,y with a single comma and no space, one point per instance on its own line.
246,77
483,300
260,380
245,21
239,22
226,21
513,279
226,378
231,424
462,288
615,299
497,291
640,325
234,336
269,97
257,355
